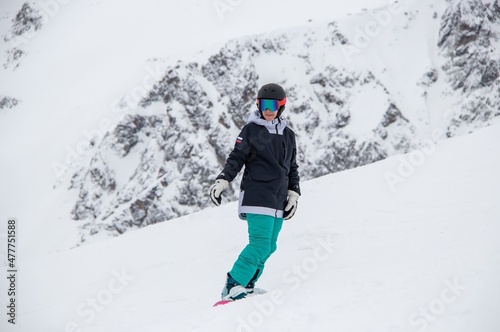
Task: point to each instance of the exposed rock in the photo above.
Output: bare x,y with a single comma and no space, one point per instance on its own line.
469,31
27,20
8,102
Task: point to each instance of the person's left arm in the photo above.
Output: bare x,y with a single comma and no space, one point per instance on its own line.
293,184
293,174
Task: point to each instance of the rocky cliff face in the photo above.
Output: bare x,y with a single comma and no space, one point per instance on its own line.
469,38
152,168
27,21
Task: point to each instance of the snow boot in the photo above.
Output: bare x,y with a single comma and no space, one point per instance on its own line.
233,290
251,284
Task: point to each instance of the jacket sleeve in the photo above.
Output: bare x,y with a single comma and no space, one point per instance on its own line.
293,175
237,157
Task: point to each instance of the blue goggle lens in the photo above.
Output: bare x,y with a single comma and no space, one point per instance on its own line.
268,104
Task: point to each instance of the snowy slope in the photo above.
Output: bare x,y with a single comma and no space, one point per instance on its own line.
363,253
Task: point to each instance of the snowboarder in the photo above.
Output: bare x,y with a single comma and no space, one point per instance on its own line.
269,188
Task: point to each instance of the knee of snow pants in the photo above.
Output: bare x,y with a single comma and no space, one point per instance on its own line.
262,235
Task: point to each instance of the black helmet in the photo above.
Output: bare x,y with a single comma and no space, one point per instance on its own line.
273,91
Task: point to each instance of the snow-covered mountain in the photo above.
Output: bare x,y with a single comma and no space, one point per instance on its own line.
360,88
346,111
357,256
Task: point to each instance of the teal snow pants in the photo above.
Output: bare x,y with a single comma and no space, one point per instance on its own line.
262,235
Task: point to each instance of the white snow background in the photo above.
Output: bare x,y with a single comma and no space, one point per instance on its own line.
406,244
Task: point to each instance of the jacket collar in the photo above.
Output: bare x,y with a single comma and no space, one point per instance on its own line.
278,124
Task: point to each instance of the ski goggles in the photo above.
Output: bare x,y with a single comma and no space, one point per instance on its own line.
270,104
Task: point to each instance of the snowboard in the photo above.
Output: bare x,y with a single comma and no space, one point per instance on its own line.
256,291
222,302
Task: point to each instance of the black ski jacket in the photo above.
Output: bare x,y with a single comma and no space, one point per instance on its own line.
268,151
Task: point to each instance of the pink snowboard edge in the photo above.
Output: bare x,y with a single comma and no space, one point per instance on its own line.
222,302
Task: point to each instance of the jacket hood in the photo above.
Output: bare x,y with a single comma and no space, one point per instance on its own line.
277,124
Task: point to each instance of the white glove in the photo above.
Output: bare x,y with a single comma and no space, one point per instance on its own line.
216,190
291,204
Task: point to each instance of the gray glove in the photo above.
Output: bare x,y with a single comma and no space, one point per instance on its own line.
216,190
291,204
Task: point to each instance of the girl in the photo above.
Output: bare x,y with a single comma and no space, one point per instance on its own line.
269,188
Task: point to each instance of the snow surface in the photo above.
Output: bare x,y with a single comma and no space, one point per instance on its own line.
360,255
